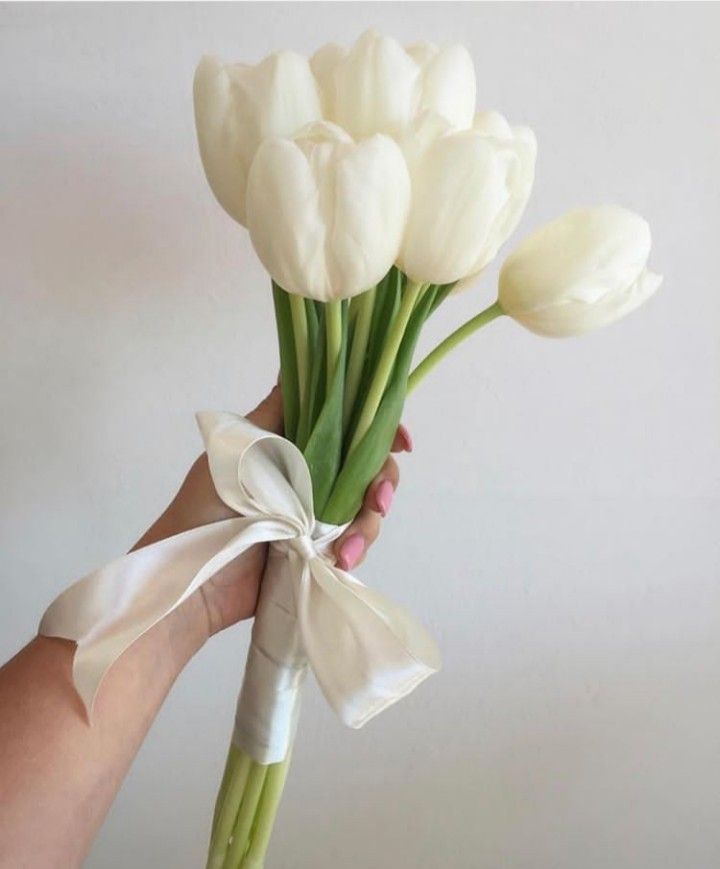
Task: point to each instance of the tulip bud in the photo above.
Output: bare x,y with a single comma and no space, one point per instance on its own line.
326,215
380,87
237,106
469,190
583,270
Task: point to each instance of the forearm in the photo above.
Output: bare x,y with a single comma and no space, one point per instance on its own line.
58,773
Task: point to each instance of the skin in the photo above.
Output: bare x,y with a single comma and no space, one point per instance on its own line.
59,776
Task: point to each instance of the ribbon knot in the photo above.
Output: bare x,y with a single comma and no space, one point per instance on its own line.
304,546
365,651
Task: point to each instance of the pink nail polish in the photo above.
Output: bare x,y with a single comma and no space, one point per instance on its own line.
384,496
350,551
407,441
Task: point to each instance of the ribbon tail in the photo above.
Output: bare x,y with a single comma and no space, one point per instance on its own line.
366,651
108,610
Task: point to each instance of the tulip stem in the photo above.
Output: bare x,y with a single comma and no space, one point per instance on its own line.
300,331
365,304
265,814
459,335
412,293
333,338
230,803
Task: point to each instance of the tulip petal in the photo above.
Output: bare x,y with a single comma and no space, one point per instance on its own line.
448,86
219,135
374,88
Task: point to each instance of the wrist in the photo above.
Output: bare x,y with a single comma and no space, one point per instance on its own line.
185,631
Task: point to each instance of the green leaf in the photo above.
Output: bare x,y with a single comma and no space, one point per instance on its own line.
369,455
443,291
387,302
324,446
315,354
288,361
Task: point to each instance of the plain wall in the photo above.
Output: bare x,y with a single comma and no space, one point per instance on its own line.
557,524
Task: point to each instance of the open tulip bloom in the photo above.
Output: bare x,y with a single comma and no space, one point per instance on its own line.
371,189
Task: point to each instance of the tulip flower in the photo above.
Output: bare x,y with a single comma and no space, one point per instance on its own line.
469,190
326,215
583,270
238,106
380,87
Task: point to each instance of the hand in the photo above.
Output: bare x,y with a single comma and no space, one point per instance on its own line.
232,593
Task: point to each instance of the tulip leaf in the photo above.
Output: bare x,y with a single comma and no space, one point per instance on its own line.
314,351
369,455
316,376
443,291
387,302
324,446
288,362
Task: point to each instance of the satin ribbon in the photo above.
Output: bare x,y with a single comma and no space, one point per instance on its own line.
365,651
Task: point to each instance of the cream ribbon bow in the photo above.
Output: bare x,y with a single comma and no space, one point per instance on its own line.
366,652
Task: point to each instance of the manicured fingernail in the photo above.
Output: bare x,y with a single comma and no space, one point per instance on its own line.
407,443
384,496
350,551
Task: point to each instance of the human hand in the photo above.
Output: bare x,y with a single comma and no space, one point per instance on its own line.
231,595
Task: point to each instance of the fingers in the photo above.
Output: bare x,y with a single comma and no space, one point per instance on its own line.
403,443
350,549
380,493
268,414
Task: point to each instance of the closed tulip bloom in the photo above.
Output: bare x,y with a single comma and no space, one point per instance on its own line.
380,87
469,190
238,106
326,215
584,270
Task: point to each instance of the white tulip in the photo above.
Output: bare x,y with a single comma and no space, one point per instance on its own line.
238,106
380,87
583,270
326,215
469,190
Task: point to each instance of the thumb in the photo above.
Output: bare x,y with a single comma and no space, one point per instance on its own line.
269,413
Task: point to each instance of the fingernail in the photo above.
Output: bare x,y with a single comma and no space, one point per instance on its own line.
350,551
384,496
407,442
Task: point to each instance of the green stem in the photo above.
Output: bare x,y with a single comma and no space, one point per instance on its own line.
412,293
229,811
288,362
459,335
300,331
230,765
333,338
265,815
365,305
246,815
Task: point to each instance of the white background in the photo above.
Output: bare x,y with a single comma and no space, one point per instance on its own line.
557,525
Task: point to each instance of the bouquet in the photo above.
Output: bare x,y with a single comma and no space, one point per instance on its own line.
373,191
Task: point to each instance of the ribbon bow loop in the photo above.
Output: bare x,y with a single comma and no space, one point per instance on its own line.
257,473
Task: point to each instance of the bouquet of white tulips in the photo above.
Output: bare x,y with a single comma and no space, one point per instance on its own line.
372,190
